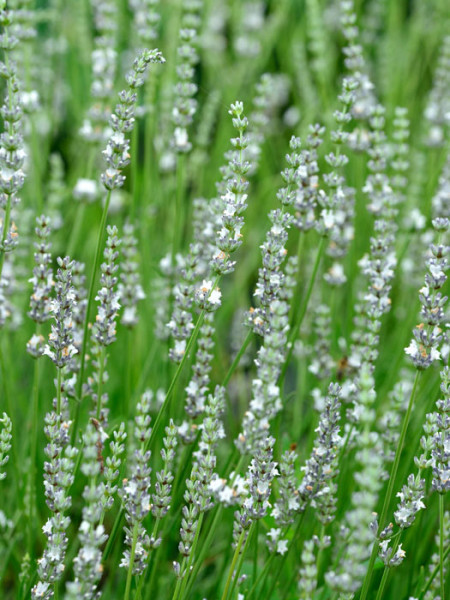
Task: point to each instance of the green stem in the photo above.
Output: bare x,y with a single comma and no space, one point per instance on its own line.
237,358
426,587
233,564
98,254
131,563
388,495
58,390
441,545
262,576
185,578
302,312
33,452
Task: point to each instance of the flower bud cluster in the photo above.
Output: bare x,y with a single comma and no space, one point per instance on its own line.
185,105
135,493
58,478
440,452
88,562
104,328
234,198
400,151
261,473
266,400
322,363
80,305
248,41
104,67
198,494
271,92
146,20
5,442
164,478
42,279
122,121
437,111
355,536
130,288
271,280
60,347
308,571
317,484
181,323
287,504
197,389
410,502
354,62
12,154
391,557
304,172
423,349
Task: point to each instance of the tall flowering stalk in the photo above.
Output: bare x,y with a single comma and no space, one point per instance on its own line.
59,468
12,154
423,351
117,157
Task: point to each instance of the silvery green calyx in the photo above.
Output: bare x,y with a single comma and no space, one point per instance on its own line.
88,562
355,537
164,478
130,288
321,468
271,278
135,493
5,441
60,347
260,475
287,504
198,494
42,280
440,451
122,121
58,478
303,171
185,105
12,154
104,328
424,347
181,324
80,305
266,395
234,197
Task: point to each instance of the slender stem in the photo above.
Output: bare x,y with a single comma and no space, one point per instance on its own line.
386,571
262,576
33,451
388,495
302,312
101,370
237,358
98,253
233,565
441,544
430,580
241,559
131,563
58,390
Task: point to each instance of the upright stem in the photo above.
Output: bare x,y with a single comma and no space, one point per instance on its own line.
388,495
233,564
302,312
33,451
98,254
